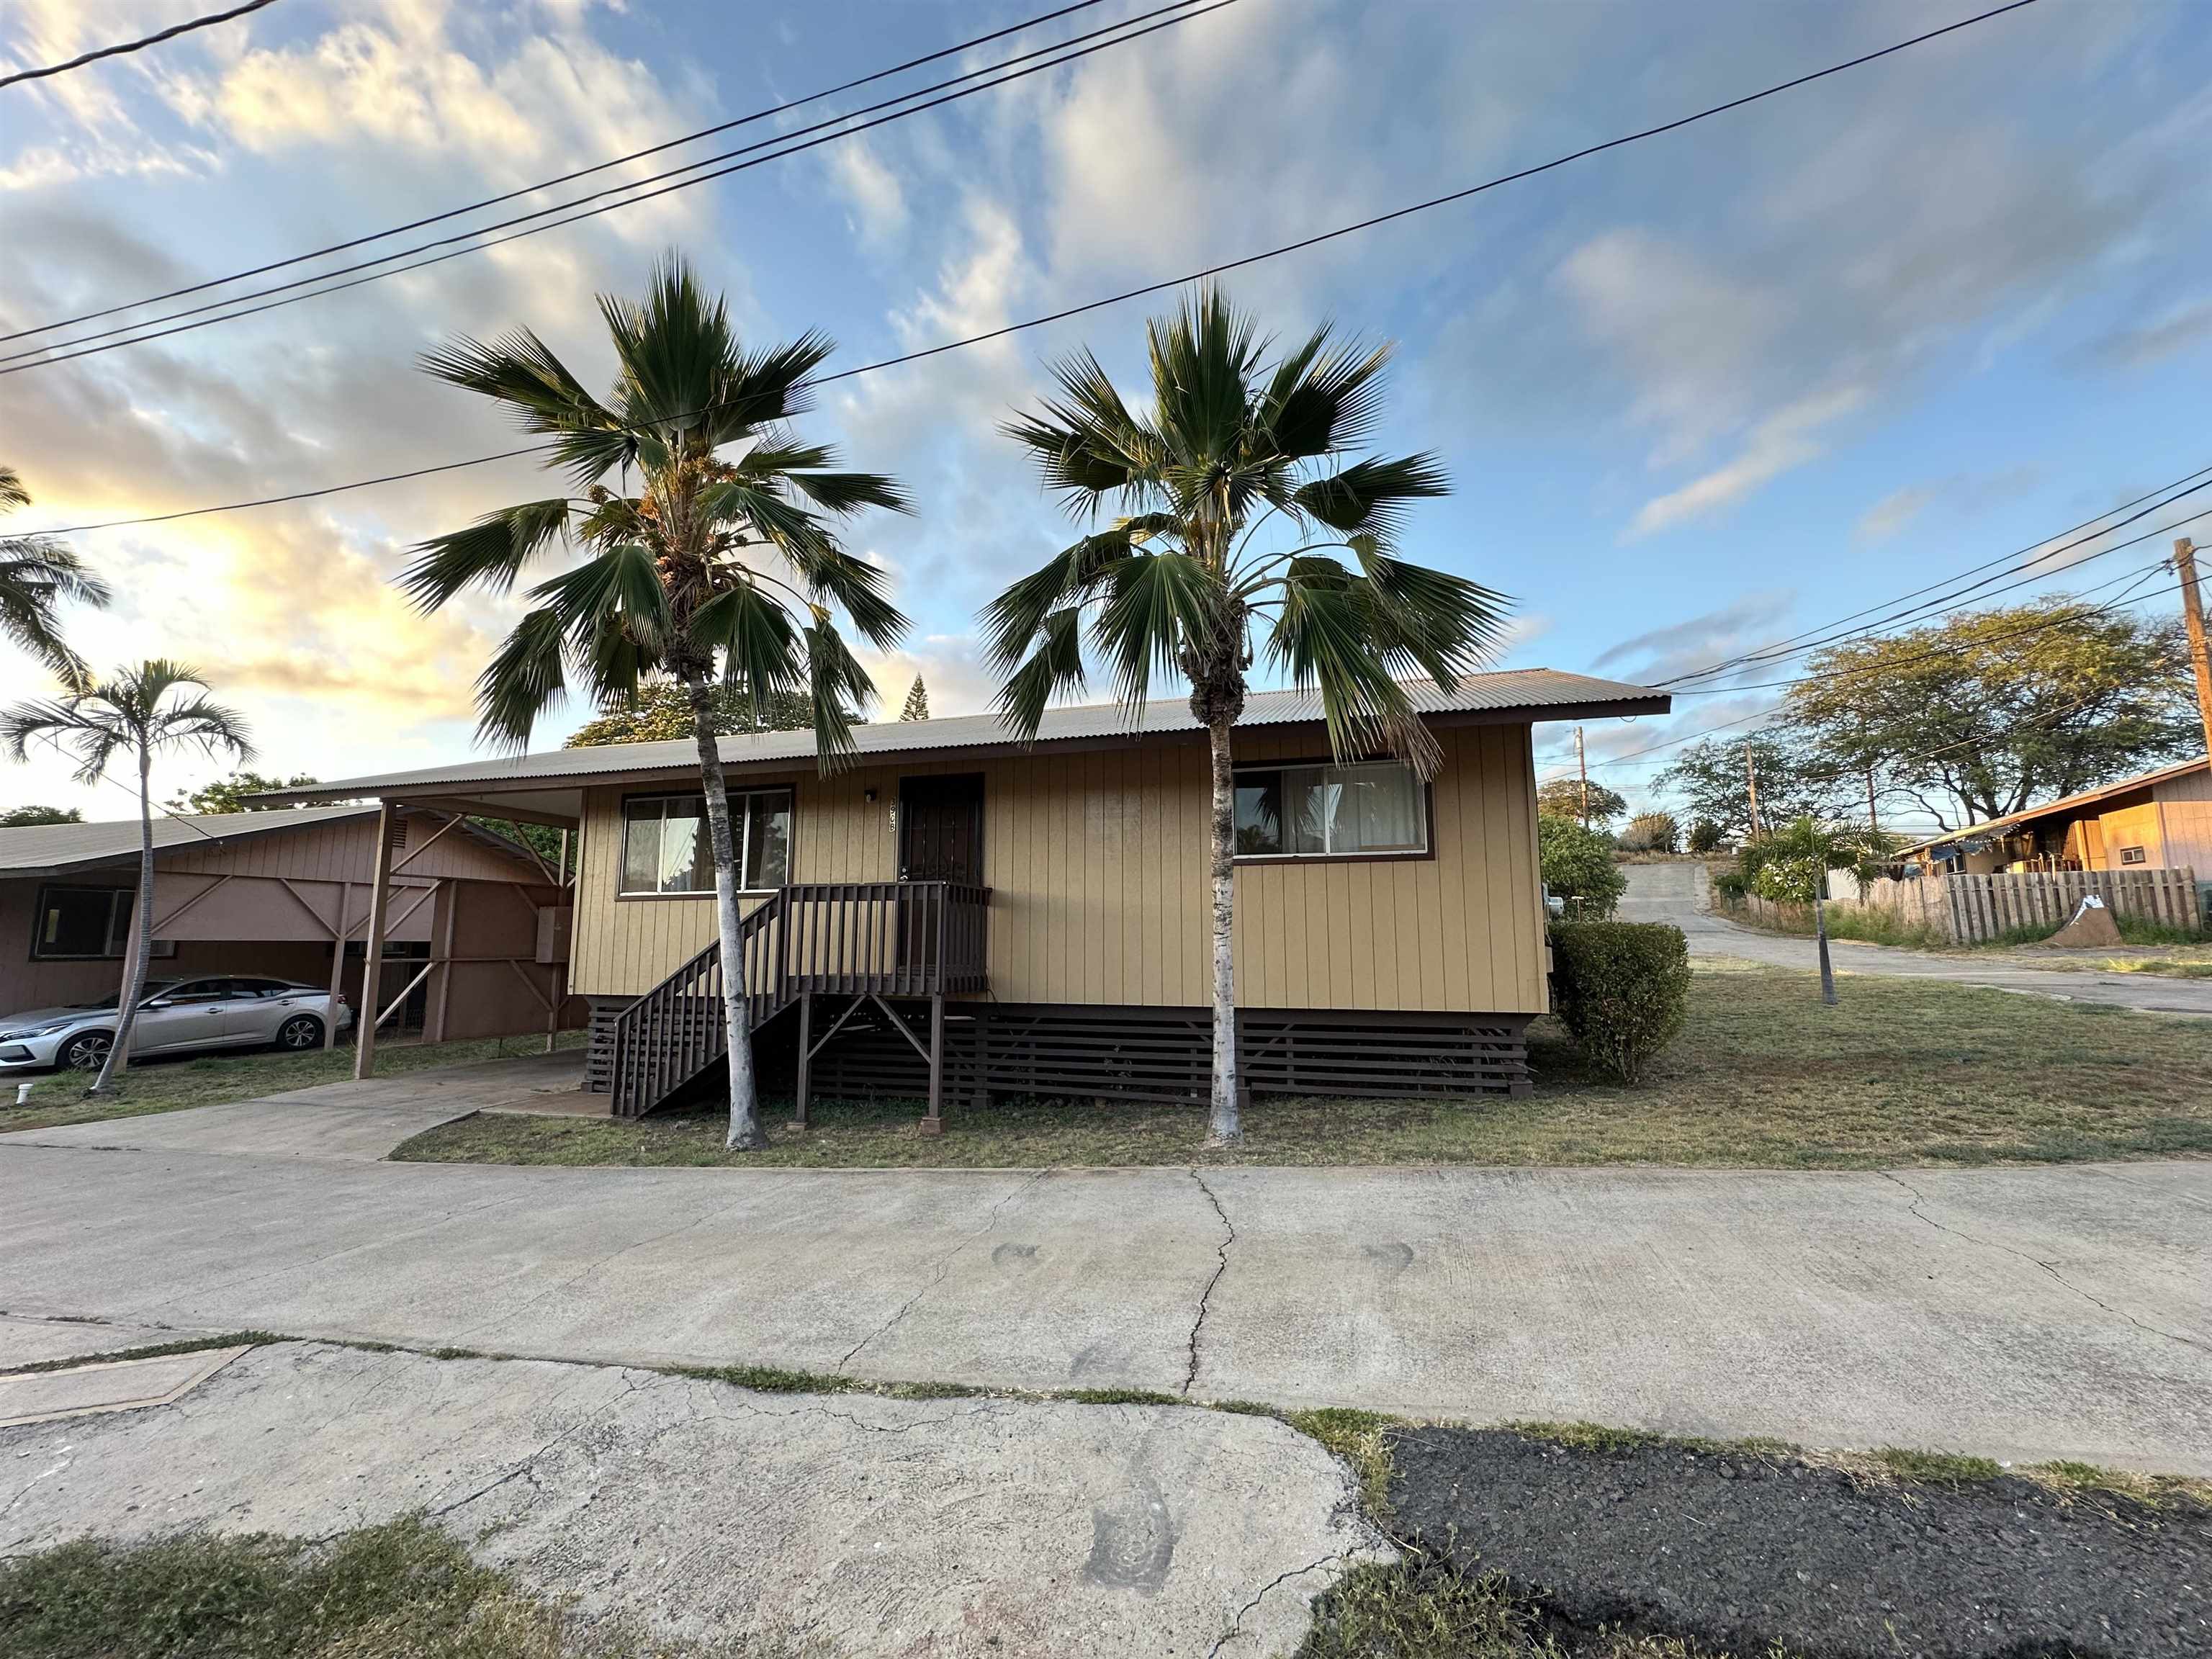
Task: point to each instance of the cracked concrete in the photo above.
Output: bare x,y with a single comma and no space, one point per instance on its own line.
2061,1312
1221,1266
851,1525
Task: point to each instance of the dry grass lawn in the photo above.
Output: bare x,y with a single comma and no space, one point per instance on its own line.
1904,1072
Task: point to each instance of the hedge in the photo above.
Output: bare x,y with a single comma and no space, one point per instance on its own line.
1622,989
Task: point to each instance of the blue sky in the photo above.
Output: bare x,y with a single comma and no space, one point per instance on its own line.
1695,394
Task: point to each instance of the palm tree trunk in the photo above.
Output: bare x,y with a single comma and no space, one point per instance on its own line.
1223,1127
745,1131
134,971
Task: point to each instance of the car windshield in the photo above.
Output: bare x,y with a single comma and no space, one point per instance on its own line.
154,988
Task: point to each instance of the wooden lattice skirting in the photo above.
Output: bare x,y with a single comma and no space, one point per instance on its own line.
1147,1054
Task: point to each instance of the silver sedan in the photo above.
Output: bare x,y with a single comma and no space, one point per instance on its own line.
178,1017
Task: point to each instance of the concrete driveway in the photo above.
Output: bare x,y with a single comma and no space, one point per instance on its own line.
1678,893
2019,1313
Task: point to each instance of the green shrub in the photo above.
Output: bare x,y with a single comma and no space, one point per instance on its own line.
1705,836
1621,988
1731,886
1577,867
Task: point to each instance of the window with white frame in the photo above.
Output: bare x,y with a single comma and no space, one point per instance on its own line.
666,849
1371,810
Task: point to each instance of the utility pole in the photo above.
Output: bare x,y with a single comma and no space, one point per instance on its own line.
1582,761
1750,776
1874,814
2192,615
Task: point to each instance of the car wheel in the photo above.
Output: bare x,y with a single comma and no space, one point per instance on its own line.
88,1050
300,1033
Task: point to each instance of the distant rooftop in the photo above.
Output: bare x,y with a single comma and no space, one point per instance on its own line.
38,849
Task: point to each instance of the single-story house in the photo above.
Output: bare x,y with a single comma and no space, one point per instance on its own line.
286,894
2157,820
957,909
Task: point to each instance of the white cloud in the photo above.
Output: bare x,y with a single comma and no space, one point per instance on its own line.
1788,438
1893,512
878,204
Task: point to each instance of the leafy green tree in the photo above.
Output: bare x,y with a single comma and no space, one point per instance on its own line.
724,569
1705,836
917,702
1179,578
1577,864
230,794
138,712
1989,712
36,576
663,714
1564,797
1709,779
18,817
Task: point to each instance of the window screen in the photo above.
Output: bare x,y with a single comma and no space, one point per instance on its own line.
1330,812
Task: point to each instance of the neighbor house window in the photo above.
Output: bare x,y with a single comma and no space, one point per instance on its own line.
2132,856
83,922
666,848
1377,808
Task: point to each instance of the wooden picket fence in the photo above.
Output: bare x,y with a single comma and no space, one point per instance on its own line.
1972,909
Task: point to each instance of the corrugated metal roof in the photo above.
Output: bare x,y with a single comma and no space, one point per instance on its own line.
1540,692
38,848
2086,797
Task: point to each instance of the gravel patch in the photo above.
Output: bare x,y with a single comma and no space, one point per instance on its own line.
1735,1551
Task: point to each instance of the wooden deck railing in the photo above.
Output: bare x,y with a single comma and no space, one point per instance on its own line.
852,938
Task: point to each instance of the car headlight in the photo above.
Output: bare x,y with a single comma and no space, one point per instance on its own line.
47,1029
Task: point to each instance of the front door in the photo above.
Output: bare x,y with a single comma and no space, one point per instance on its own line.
940,839
941,829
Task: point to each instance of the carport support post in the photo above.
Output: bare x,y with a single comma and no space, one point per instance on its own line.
371,966
338,963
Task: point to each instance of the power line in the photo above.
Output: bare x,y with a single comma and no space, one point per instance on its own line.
562,178
1775,652
117,51
2070,616
1150,288
1930,611
1925,656
777,148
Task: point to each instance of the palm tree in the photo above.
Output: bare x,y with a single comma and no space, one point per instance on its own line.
140,712
723,572
35,576
1183,581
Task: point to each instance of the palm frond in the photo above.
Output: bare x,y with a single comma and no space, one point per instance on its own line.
12,493
490,553
1055,666
830,572
679,360
1203,359
525,677
1326,636
620,589
1371,496
847,493
1333,407
753,635
1159,606
842,691
1443,624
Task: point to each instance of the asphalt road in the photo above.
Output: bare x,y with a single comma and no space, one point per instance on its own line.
1676,893
2019,1313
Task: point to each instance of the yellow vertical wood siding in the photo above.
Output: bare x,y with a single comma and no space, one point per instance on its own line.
1097,864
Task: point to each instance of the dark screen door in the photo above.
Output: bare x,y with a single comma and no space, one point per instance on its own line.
941,829
940,839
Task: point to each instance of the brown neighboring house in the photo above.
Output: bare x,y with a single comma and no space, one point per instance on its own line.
286,894
2153,821
954,911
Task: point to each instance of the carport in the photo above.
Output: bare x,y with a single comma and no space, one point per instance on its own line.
474,926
